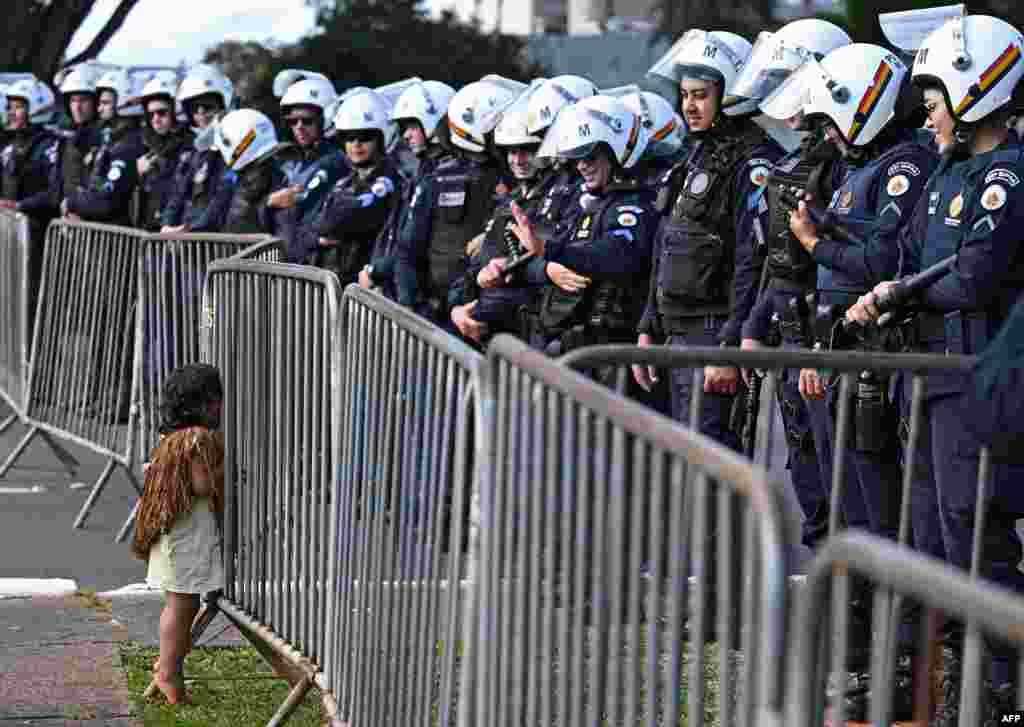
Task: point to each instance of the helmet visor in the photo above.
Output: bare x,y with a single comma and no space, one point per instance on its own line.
793,94
771,63
907,29
391,91
684,58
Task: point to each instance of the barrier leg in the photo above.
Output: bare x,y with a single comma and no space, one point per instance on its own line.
19,450
126,528
90,501
201,622
6,423
66,458
295,697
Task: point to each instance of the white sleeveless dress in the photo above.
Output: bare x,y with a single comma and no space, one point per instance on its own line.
189,559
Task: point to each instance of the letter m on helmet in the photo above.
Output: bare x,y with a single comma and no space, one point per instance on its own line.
583,130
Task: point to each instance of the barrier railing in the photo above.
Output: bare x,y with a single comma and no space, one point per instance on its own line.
276,340
405,483
15,245
988,610
170,293
594,512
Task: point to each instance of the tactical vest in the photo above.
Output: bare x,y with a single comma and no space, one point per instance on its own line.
160,178
697,236
463,202
803,171
244,213
557,211
605,304
79,155
15,155
208,166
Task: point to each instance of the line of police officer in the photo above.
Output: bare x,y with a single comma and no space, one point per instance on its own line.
571,217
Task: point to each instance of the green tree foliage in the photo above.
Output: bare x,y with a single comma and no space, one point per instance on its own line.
373,42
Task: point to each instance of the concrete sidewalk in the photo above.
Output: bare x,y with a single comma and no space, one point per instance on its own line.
60,661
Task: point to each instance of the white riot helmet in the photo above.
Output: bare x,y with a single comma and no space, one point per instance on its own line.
976,61
245,137
314,92
580,128
512,130
718,57
554,95
776,55
81,79
425,102
124,88
857,87
474,111
290,76
38,96
203,80
663,126
158,88
367,110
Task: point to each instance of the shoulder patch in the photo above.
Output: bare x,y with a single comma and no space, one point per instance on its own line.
905,168
627,219
994,197
382,186
759,175
1005,176
115,173
317,180
898,185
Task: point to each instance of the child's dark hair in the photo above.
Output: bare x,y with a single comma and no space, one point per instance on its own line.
187,392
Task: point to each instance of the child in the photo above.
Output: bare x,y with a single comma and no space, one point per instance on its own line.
178,529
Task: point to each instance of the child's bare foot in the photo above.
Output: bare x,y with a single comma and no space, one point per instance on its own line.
173,688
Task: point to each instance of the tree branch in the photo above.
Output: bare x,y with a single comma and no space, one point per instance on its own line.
107,32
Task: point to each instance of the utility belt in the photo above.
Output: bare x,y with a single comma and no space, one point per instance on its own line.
714,317
962,332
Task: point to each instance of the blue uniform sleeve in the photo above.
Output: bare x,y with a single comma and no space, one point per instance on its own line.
898,191
749,220
413,235
109,194
994,406
759,321
624,250
989,248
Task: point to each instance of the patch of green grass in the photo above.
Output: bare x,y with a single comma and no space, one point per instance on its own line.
228,686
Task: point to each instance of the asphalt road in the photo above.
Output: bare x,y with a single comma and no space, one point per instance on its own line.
36,535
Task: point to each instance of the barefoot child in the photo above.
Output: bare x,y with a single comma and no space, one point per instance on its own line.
178,529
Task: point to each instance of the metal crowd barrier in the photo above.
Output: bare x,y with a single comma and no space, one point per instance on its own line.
15,245
986,609
405,479
276,338
79,381
170,291
597,562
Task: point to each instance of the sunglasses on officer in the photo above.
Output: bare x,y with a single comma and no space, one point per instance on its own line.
158,113
363,136
307,121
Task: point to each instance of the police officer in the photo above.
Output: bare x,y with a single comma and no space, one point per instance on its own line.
78,141
169,147
667,132
205,94
492,300
420,113
705,277
343,231
313,164
788,271
855,99
247,141
972,207
107,195
593,295
451,205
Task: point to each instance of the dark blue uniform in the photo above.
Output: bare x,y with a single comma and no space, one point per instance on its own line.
108,195
244,199
706,274
197,185
789,273
27,163
449,207
168,154
874,202
353,213
973,208
73,154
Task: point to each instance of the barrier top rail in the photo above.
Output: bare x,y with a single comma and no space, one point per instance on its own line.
908,572
767,358
766,497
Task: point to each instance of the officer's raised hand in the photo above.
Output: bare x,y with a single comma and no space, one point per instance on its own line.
525,233
645,376
721,379
286,198
865,311
492,275
566,279
803,227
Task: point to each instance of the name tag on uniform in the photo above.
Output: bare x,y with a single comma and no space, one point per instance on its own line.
451,199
